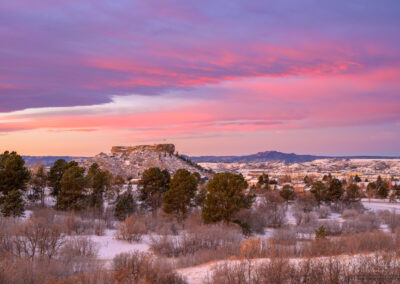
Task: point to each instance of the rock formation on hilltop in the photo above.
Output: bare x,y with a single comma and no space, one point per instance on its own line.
168,148
131,161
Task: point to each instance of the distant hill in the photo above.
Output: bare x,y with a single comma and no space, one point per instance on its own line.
267,156
270,156
48,161
132,161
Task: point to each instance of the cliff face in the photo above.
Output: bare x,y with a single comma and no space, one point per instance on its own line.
168,148
133,160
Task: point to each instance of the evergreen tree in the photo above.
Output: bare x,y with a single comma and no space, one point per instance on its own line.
99,181
179,198
125,206
152,186
13,173
357,179
371,189
335,190
320,233
117,184
200,196
287,192
55,175
353,193
263,182
13,179
13,204
38,183
72,193
225,198
382,188
318,189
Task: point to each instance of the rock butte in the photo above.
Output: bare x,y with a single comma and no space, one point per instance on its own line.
168,148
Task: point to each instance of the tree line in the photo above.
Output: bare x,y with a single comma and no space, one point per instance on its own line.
75,188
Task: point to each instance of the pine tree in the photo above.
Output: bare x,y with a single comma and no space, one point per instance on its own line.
13,179
225,198
125,206
335,190
179,198
13,204
99,181
287,192
319,190
382,188
353,193
13,173
72,193
38,183
320,233
55,175
152,186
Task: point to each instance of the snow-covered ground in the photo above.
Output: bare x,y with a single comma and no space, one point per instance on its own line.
201,273
109,246
380,204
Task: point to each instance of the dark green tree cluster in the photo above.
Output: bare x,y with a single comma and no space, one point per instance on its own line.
329,190
14,177
221,199
287,192
125,205
38,184
152,186
181,195
263,182
98,181
74,190
226,196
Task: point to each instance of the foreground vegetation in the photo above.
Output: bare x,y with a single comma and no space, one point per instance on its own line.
187,221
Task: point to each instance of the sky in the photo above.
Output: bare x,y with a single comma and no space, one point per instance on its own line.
213,77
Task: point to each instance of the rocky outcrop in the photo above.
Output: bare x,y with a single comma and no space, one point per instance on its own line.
168,148
130,162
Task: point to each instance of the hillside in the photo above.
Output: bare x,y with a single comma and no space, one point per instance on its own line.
48,161
132,161
275,156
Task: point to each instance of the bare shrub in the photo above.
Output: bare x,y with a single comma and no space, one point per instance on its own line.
285,235
47,214
308,228
131,230
82,247
36,238
254,218
323,212
206,237
391,219
340,206
81,253
332,227
350,213
305,202
350,244
206,255
363,223
274,208
302,217
316,270
75,225
230,273
139,267
162,225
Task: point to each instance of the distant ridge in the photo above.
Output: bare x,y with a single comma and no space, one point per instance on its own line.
271,156
267,156
48,161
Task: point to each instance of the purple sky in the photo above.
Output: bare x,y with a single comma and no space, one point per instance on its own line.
213,77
